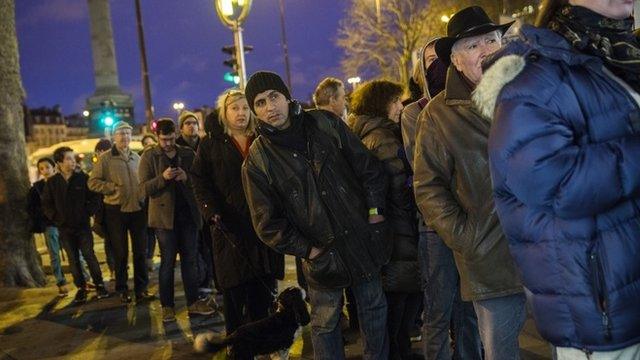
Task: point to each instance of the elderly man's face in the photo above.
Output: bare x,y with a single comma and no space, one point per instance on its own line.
467,54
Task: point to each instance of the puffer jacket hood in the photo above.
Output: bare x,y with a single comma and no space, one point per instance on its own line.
362,125
563,152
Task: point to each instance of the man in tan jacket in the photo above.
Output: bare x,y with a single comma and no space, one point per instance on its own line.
115,175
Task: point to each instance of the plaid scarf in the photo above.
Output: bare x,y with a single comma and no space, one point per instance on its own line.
611,40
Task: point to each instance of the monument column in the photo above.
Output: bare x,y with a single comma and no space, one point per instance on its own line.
108,97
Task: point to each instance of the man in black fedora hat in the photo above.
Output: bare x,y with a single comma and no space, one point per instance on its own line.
453,185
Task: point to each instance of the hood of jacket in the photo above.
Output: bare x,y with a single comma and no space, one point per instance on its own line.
362,125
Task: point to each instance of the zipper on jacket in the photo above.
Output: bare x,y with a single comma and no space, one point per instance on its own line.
600,291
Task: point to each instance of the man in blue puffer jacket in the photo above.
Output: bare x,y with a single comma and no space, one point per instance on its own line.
565,161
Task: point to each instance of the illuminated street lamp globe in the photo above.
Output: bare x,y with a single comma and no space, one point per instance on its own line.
233,12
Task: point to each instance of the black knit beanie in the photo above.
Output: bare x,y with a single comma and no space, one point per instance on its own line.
262,81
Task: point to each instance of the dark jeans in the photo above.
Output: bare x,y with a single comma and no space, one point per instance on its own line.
401,318
247,303
118,224
444,310
108,253
183,240
151,242
76,241
326,335
204,261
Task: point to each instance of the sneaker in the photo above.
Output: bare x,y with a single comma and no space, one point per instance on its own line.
211,301
125,298
81,296
168,314
144,296
102,292
201,307
63,290
89,286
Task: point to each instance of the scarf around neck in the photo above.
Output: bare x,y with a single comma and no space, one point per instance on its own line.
609,39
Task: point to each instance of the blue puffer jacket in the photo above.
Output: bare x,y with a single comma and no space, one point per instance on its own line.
565,160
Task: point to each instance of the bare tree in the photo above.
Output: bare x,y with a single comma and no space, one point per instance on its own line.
19,260
382,46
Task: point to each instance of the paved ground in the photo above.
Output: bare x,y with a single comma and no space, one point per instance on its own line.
36,324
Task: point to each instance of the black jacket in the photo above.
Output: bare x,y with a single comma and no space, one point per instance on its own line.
69,204
239,256
382,137
39,221
322,199
181,141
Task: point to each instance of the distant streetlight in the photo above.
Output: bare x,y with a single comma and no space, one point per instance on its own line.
445,18
178,107
85,113
233,13
354,81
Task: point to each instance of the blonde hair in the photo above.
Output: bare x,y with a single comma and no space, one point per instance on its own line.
227,98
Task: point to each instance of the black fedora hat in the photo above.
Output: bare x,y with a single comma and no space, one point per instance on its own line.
468,22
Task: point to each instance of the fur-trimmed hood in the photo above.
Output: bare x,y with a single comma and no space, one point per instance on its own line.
522,43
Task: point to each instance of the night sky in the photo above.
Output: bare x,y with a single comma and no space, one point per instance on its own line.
183,41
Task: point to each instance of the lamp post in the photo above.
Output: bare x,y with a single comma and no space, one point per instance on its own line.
178,107
354,81
232,13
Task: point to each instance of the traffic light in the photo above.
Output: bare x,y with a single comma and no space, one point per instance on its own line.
233,76
107,115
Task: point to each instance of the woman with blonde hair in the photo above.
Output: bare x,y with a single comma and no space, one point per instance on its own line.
246,269
565,164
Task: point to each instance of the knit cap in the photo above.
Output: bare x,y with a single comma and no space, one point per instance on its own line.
262,81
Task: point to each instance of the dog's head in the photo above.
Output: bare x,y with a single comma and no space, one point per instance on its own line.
292,300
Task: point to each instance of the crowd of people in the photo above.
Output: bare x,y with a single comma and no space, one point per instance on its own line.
508,183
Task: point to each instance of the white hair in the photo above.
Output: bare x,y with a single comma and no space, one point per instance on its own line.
460,43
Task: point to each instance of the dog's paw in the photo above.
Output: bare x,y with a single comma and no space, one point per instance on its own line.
202,341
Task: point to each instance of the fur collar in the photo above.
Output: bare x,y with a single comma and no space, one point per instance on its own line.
502,72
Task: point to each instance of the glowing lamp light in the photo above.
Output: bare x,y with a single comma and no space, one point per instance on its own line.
85,113
445,18
108,121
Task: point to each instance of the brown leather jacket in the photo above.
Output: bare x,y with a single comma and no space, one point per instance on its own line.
453,191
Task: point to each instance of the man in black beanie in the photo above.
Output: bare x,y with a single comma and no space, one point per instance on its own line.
315,192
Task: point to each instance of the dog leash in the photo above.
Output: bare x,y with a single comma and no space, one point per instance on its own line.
223,229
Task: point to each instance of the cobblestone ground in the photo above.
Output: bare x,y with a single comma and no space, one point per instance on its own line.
37,324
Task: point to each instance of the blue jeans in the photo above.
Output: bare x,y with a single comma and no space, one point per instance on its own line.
52,239
182,239
326,335
500,321
444,310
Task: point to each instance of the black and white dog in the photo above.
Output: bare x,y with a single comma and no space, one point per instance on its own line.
271,334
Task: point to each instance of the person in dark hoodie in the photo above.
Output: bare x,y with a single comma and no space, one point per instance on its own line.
447,319
68,202
41,224
376,108
315,192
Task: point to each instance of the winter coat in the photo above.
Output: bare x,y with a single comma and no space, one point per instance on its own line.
116,177
565,160
321,200
453,192
239,256
39,221
382,137
69,203
161,192
183,142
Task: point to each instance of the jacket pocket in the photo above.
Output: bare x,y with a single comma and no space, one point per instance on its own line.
327,271
599,287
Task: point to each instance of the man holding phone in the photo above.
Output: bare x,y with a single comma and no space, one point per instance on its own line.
174,216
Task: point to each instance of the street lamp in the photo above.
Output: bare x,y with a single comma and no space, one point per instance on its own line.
233,13
85,113
445,18
354,81
178,107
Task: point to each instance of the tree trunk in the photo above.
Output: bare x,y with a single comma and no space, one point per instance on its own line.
19,260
